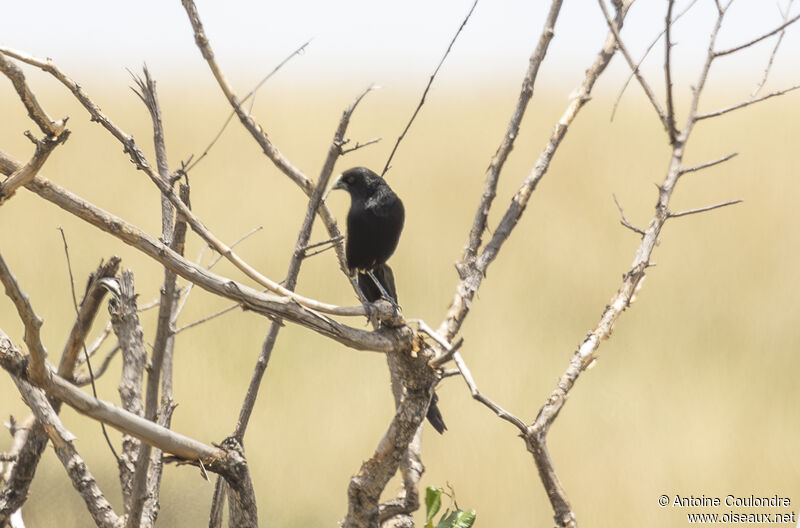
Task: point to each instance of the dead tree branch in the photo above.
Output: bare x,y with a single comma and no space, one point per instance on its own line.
472,271
703,209
507,143
37,114
290,282
632,280
368,484
378,341
99,508
26,173
164,340
255,130
92,298
32,322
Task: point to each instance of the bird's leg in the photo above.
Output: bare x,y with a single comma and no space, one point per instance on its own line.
384,294
361,297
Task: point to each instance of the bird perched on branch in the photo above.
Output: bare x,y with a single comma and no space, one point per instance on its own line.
374,224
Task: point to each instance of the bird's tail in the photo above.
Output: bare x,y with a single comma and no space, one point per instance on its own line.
370,290
434,416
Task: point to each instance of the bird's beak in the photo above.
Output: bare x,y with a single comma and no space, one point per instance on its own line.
337,184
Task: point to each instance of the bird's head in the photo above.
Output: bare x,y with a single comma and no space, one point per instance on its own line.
358,181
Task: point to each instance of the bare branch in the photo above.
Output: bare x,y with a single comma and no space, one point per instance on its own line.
748,102
763,81
367,485
428,87
26,173
472,275
758,39
644,56
479,396
181,446
89,306
27,447
359,145
612,25
668,73
251,94
703,209
624,221
99,508
512,131
164,340
255,130
210,265
226,460
125,322
81,379
32,322
708,163
138,158
334,151
83,342
379,341
48,127
207,318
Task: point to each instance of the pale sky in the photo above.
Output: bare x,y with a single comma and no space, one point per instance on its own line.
361,41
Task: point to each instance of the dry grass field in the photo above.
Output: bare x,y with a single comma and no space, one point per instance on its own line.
695,394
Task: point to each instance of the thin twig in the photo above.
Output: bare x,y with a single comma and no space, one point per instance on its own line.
360,145
164,339
250,94
81,380
124,421
139,159
427,87
27,172
635,69
624,221
748,102
265,304
31,321
37,114
668,73
631,75
207,318
512,132
703,209
708,164
83,340
471,273
210,265
98,507
756,40
479,396
763,81
334,152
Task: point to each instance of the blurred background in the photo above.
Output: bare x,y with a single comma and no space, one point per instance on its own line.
695,393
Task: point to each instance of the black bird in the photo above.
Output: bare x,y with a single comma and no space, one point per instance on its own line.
374,224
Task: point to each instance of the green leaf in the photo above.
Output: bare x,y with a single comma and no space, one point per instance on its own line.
433,501
458,519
